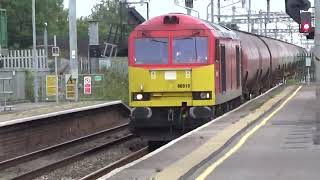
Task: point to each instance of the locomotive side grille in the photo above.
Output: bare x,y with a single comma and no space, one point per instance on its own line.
223,68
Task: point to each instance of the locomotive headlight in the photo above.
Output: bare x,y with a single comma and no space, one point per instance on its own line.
201,95
204,95
139,97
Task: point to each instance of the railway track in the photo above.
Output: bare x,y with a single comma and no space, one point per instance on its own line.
103,171
40,162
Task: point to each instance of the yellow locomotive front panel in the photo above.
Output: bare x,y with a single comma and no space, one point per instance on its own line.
174,87
171,77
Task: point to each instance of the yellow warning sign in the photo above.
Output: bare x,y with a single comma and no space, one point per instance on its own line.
51,81
70,91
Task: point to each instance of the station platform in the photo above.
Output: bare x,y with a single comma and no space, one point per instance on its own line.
38,126
274,136
28,111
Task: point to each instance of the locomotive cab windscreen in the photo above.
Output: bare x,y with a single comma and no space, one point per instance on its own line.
190,50
185,50
151,51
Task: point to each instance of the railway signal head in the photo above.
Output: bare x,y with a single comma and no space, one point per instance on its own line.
188,3
305,25
293,8
94,51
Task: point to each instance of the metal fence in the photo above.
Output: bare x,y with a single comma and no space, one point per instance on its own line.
117,64
120,66
21,84
23,59
5,92
84,65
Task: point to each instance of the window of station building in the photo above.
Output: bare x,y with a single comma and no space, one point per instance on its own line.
151,51
190,50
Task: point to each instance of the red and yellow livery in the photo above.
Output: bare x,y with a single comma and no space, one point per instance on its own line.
182,70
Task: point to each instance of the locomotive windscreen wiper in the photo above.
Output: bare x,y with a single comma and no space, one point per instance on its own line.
155,40
190,38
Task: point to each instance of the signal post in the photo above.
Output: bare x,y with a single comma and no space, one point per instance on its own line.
316,51
55,54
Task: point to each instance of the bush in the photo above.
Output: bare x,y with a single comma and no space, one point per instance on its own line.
29,86
116,85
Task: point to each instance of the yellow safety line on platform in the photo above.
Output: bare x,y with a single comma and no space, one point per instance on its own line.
212,167
214,143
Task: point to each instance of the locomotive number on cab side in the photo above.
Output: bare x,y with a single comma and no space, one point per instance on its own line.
184,85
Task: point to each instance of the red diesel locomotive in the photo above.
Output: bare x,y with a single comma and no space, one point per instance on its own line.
182,70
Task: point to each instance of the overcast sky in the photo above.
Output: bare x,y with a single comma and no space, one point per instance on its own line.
158,7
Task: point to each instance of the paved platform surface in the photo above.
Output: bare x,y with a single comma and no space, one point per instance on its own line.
283,149
176,159
33,109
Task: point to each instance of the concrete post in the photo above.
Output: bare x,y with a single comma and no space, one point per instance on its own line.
249,14
219,11
56,70
233,13
212,13
268,16
73,44
34,54
261,22
93,40
189,12
45,39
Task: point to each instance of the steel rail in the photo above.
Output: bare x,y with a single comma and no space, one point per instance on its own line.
68,160
103,171
34,155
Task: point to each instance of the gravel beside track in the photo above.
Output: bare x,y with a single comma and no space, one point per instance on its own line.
58,155
95,162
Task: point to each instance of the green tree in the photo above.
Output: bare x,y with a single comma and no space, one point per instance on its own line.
19,14
107,13
82,28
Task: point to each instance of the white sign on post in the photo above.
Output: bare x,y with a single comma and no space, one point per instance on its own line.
308,61
87,85
73,54
55,51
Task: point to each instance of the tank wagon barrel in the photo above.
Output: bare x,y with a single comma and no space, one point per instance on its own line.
265,61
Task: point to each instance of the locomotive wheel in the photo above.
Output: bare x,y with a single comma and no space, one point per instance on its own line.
213,113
